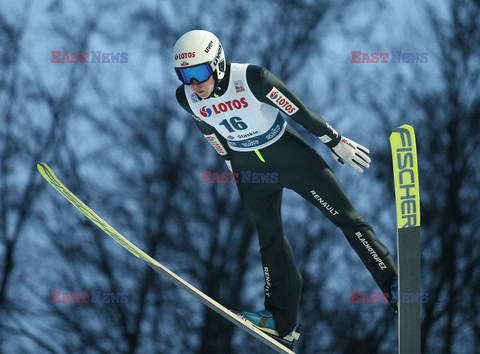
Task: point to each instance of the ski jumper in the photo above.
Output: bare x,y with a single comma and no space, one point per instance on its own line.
243,121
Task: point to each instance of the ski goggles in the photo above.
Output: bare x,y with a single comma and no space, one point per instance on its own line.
200,73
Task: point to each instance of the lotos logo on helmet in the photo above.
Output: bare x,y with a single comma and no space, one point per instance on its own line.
224,107
281,101
187,55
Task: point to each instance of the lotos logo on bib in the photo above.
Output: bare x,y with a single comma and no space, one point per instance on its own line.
281,101
224,107
205,112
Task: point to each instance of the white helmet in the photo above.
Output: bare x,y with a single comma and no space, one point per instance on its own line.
196,48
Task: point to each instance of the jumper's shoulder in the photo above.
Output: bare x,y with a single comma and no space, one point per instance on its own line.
182,98
180,94
255,73
257,80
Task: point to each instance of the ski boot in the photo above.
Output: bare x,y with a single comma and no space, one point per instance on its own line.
263,320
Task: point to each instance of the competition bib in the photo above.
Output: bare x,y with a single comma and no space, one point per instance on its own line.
246,123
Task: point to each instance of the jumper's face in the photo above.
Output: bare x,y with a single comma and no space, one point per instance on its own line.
204,89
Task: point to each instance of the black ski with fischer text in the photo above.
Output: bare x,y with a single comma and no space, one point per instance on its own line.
407,197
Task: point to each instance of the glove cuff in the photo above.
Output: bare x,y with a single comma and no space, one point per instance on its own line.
334,141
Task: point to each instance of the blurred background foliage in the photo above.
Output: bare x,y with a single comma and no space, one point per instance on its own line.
115,135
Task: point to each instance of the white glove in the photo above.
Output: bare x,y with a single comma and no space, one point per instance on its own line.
355,154
229,165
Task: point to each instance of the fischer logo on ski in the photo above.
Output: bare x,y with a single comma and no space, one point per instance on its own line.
406,177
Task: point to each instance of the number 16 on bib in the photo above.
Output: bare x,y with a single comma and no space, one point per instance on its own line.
407,197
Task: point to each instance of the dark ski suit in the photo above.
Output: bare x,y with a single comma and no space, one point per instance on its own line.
271,146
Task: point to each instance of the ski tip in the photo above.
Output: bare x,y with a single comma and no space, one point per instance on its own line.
402,128
44,169
42,166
